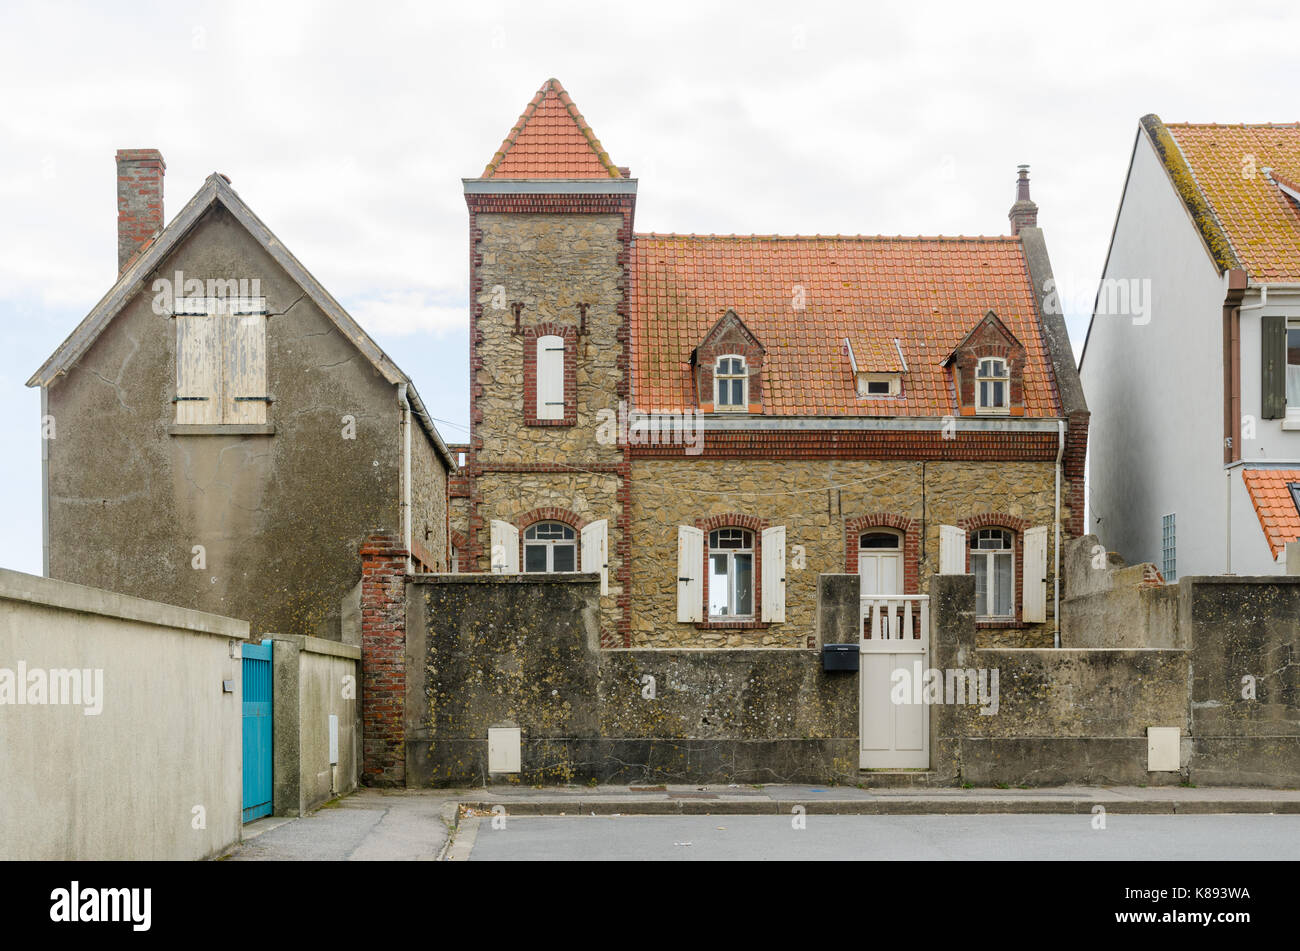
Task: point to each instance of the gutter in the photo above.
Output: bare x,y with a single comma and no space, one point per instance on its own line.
406,474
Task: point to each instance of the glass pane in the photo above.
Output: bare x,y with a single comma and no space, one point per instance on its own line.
563,557
737,393
878,540
744,584
1293,368
984,393
1004,602
979,565
997,393
718,595
534,558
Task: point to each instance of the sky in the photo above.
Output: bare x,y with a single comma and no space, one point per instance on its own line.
348,128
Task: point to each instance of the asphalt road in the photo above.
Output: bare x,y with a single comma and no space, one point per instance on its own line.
1069,837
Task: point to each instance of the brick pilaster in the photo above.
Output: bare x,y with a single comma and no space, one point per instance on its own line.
383,660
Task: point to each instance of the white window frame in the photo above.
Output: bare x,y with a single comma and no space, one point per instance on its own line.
982,378
893,385
720,378
733,579
1292,420
989,558
569,539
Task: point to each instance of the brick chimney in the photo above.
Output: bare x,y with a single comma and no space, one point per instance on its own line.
139,200
1024,213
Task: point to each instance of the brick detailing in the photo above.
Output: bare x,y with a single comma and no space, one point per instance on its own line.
1017,528
550,513
754,525
383,660
989,338
855,528
868,444
729,336
1072,473
139,201
530,336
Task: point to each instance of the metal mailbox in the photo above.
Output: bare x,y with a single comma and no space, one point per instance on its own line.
840,656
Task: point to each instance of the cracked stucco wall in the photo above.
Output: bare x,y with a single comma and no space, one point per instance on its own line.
280,517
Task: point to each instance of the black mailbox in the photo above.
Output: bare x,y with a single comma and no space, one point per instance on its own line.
840,656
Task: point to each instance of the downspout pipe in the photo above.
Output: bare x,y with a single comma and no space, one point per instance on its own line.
1056,575
406,474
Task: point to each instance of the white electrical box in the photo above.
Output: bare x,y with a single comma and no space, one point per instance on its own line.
1162,749
503,749
334,740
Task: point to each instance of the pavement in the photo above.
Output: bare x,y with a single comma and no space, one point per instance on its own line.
418,825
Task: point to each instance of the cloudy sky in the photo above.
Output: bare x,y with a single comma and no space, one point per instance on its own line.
347,127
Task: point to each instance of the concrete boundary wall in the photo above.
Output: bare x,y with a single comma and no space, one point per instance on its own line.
314,679
155,772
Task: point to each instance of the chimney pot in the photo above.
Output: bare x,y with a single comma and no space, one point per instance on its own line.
1024,213
139,201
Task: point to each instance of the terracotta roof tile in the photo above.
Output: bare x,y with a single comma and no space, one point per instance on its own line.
926,292
551,140
1260,221
1274,504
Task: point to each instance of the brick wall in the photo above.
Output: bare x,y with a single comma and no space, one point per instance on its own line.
383,660
139,200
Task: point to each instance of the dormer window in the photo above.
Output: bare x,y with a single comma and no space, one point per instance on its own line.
731,384
992,386
873,385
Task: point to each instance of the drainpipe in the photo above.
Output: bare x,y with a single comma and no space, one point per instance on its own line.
45,485
1056,575
1227,554
406,473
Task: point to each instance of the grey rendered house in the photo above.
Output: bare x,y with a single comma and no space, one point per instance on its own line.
220,434
1192,362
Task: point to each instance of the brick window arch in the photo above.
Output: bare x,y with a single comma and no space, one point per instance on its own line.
1016,526
551,513
531,337
754,526
909,528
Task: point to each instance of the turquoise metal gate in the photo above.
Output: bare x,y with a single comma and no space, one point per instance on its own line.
257,730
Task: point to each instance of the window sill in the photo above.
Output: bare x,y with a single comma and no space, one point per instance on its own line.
747,625
1291,424
221,429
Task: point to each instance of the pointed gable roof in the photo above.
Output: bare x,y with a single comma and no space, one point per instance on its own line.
551,140
730,320
990,319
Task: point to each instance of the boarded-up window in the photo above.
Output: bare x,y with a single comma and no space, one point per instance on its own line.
221,360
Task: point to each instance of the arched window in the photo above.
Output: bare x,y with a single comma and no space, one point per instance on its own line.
992,561
992,386
731,383
880,562
550,547
731,573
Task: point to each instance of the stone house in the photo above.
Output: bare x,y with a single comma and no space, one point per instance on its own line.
220,434
1192,361
711,422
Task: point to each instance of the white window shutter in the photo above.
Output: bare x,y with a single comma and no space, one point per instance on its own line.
505,548
774,574
550,377
1035,574
245,363
952,550
595,551
198,362
690,568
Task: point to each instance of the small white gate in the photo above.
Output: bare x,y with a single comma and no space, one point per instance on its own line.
895,635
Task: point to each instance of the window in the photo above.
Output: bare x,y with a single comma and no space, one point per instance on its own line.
221,361
992,386
731,383
880,562
1293,371
1168,548
550,547
550,377
731,573
454,560
992,560
879,384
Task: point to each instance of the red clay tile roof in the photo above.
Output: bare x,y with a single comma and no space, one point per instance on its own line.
551,140
1274,505
927,292
1261,223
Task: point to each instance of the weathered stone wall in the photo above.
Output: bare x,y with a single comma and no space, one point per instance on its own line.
428,497
1111,604
667,493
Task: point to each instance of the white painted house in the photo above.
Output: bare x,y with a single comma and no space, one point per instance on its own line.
1192,362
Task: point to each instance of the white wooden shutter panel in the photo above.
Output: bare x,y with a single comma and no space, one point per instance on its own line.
245,362
774,574
952,550
690,567
505,548
595,551
198,362
550,377
1035,574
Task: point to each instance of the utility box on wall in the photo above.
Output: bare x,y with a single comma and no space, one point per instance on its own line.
841,656
504,749
1162,749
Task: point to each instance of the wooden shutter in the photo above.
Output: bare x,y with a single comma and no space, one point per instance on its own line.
505,548
952,550
690,566
1035,574
595,551
550,377
198,362
245,362
1272,367
774,574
